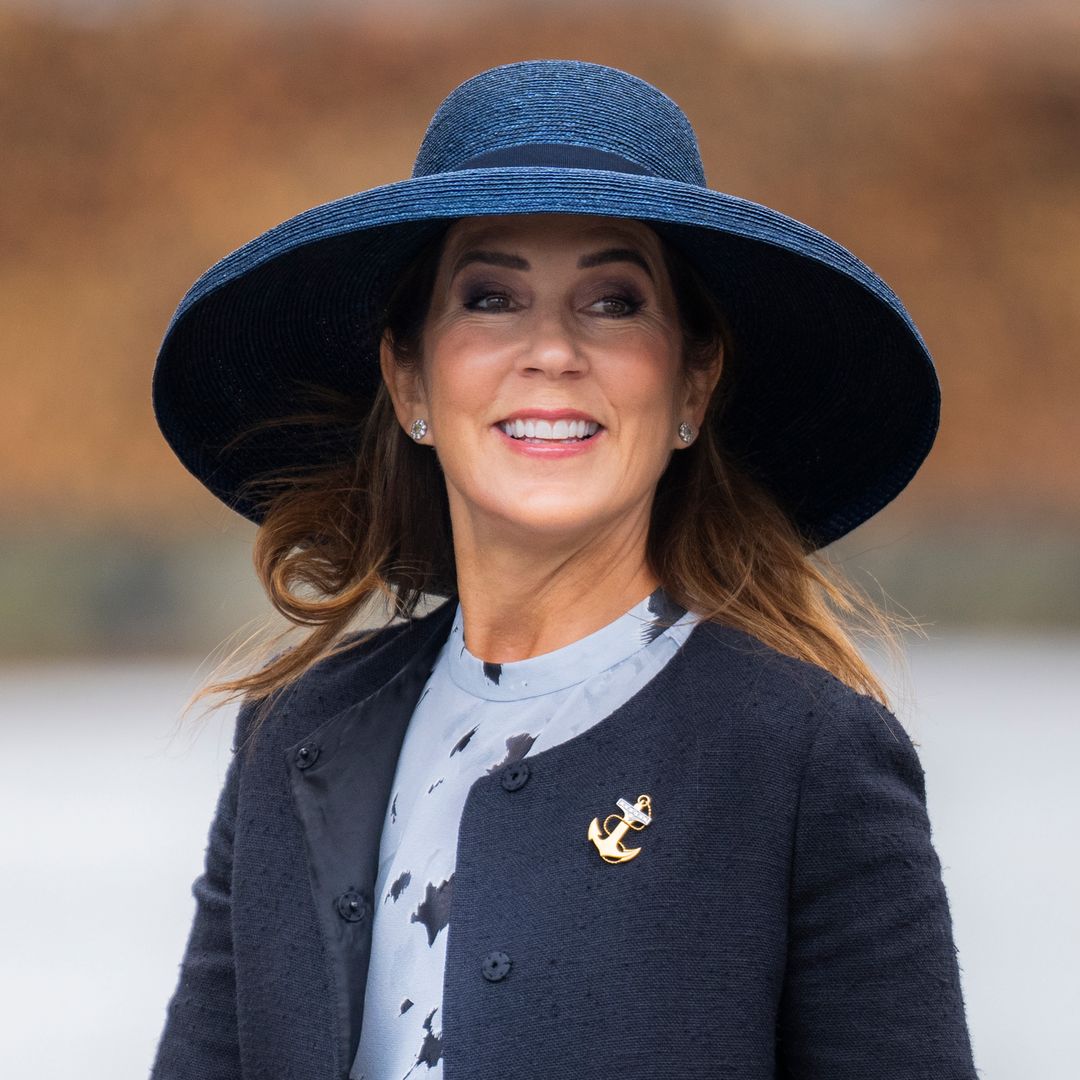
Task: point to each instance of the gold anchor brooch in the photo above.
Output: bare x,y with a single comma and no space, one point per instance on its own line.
609,843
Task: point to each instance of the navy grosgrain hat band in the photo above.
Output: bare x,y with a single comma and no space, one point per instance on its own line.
552,155
831,396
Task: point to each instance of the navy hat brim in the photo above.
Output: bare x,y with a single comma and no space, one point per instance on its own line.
835,402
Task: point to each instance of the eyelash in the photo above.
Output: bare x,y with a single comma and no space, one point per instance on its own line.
632,303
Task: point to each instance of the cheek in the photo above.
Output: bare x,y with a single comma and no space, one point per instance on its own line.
641,380
462,373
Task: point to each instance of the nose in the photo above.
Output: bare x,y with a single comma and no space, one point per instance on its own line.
553,348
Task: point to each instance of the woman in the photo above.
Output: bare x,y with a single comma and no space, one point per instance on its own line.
628,802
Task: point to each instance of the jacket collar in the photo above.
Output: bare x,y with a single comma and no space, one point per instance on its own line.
341,775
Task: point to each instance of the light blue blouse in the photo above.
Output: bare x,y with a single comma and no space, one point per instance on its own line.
474,717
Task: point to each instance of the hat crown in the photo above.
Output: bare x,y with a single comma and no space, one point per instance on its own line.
614,119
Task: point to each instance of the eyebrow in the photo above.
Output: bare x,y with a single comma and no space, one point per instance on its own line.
516,262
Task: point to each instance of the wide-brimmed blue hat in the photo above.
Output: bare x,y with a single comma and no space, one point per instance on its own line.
834,402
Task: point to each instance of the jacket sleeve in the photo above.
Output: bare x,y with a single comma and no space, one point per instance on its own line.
199,1039
872,986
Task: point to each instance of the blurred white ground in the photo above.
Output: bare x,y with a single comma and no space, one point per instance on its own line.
105,815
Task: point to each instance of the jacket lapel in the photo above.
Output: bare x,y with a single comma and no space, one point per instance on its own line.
341,776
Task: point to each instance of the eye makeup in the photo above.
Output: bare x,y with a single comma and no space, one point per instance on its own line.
472,292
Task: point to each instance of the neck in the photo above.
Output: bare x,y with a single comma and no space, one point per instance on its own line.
522,596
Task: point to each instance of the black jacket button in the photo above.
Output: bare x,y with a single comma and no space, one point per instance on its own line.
352,906
495,966
513,776
306,755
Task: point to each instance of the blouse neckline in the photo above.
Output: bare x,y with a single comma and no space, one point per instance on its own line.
567,666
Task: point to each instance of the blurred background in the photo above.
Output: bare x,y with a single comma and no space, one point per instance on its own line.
144,141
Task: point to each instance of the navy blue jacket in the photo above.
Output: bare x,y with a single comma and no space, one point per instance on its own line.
785,918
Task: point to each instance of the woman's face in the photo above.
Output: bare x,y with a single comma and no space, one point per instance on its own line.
545,328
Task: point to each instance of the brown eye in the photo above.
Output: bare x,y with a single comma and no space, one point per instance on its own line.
488,301
618,307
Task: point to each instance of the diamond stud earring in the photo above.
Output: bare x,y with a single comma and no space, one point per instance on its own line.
418,429
686,432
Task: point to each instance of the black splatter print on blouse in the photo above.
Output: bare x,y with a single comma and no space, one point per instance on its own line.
399,885
664,612
434,910
462,742
507,712
430,1048
517,746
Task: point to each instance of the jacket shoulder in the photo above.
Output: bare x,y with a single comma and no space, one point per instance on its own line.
783,697
363,661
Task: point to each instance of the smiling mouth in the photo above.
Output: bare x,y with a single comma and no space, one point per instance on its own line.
550,431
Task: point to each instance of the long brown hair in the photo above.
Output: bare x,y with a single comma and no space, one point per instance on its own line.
371,532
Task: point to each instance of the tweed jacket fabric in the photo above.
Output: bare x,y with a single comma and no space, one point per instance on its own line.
785,918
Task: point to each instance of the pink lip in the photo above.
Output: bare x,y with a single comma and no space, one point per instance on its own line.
549,414
555,450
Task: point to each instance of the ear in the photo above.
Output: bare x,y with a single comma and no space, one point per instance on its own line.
406,388
699,385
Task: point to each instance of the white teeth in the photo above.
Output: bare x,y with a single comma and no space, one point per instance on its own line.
544,429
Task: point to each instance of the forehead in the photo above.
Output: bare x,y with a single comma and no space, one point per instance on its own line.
564,228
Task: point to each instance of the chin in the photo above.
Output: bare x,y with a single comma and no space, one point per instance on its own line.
551,517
